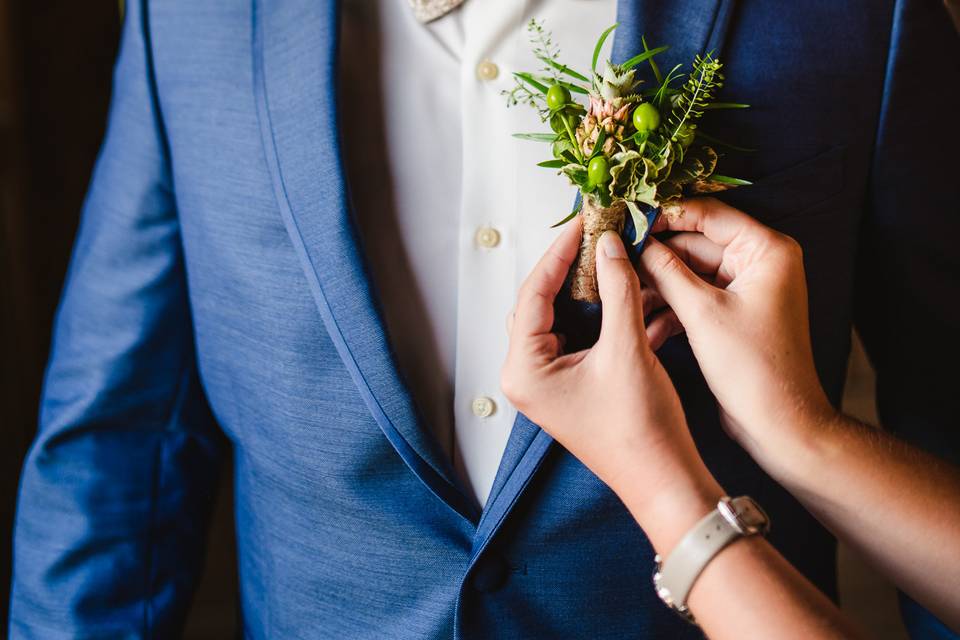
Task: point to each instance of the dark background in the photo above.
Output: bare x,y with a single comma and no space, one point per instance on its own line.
56,63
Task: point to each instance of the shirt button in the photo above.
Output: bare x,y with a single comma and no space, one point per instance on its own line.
486,70
483,407
488,237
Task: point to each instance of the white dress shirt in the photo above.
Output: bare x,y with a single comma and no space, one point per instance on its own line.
453,212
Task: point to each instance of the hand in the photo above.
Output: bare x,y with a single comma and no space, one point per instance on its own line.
738,290
612,405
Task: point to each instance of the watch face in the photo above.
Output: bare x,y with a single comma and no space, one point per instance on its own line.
745,515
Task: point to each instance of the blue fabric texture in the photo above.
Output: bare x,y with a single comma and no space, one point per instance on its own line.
218,293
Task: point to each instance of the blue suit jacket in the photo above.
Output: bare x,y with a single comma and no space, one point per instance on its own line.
218,287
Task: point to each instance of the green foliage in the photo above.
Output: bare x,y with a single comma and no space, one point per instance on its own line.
562,68
697,164
531,88
646,55
536,137
696,95
570,216
736,182
599,46
645,166
552,164
529,79
634,178
653,63
639,221
577,174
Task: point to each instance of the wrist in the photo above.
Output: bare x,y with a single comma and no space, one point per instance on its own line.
669,508
812,452
786,442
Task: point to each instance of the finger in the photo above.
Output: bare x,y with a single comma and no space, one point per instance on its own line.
719,222
510,318
662,327
680,287
622,318
702,254
651,301
534,311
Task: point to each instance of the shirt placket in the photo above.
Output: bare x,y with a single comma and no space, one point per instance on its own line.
487,247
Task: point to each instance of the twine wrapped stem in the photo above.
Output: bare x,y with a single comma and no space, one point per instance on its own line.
596,220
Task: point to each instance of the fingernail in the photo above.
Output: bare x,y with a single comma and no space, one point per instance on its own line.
612,246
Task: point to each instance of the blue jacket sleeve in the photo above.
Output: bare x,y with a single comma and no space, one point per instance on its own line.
908,281
116,490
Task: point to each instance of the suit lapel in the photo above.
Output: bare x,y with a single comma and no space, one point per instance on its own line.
295,78
689,27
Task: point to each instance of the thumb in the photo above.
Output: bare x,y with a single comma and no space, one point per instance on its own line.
681,288
622,315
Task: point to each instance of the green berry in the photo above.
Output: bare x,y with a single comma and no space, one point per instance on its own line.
557,96
646,118
598,171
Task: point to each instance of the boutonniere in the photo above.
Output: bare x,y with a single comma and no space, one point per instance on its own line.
630,149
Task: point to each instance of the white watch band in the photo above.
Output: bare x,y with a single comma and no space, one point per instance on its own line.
733,518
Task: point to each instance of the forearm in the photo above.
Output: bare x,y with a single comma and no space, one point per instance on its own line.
898,506
748,589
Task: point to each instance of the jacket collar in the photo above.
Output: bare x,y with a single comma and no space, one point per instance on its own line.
295,78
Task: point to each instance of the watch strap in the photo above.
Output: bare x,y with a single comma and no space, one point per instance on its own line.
676,576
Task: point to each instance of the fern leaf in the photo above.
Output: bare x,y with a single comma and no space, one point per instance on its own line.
697,93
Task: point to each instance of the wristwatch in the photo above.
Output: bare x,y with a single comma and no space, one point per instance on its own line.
732,519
